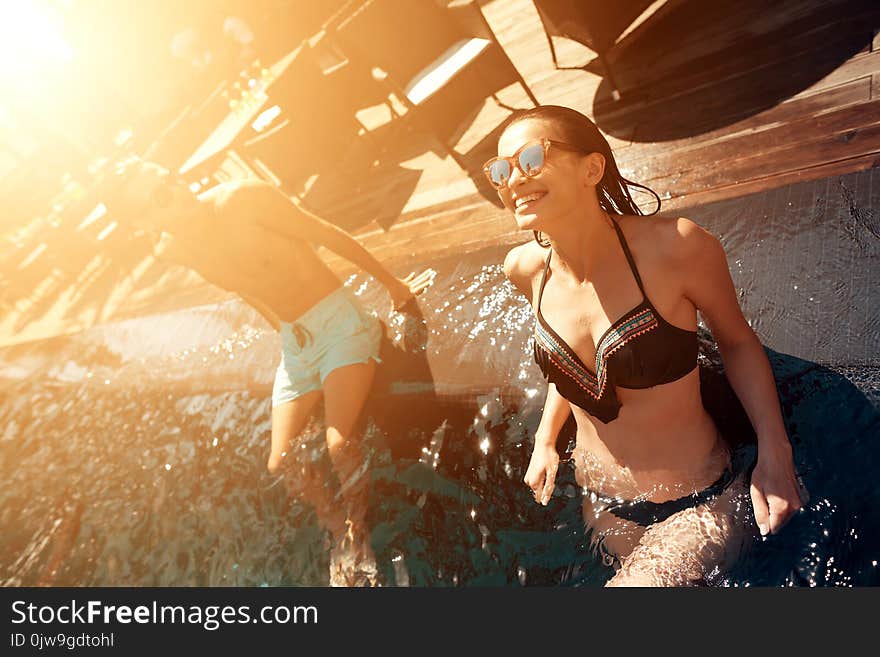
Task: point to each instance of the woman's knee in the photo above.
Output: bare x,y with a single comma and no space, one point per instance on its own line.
629,579
646,567
688,549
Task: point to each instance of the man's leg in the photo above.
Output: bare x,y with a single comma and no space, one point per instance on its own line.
288,420
352,562
345,391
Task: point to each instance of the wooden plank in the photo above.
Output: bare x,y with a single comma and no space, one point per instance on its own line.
804,154
483,231
753,31
475,231
858,66
855,91
758,146
702,66
720,193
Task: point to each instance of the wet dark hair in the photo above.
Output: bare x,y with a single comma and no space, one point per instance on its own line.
576,129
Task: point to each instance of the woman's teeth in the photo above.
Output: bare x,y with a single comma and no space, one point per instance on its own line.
529,198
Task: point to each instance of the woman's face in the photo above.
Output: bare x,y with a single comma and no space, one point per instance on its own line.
553,194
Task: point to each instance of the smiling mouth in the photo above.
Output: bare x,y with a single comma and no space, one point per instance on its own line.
528,199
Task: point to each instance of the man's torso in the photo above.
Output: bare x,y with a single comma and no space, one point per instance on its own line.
238,252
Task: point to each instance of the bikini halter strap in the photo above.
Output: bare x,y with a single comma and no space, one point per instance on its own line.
628,254
544,279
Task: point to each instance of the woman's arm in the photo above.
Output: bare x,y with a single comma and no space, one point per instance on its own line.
521,266
541,473
774,490
553,417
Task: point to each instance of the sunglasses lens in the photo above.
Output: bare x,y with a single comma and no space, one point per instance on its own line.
499,172
532,159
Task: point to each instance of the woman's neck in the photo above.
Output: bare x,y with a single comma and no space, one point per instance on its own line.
581,243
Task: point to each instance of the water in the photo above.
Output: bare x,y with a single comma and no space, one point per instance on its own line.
134,454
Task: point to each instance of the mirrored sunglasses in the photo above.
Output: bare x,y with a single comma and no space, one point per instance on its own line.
529,159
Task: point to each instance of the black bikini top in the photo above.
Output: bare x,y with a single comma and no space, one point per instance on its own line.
640,350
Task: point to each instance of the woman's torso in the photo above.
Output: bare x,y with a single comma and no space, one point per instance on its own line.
653,442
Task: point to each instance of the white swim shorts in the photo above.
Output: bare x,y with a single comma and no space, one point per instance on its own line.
333,333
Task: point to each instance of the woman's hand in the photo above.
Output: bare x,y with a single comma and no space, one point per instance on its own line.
541,473
403,290
776,494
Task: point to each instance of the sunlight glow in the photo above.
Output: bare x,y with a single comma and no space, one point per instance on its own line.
30,41
109,228
99,211
265,118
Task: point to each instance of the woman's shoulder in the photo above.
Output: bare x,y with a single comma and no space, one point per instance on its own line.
523,263
668,238
525,260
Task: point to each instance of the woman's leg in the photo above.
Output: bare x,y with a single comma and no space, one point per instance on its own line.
611,537
691,546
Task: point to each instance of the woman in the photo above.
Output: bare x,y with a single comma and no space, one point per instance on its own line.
616,299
